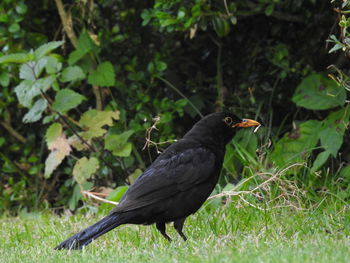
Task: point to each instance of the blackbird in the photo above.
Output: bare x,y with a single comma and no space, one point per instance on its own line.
175,185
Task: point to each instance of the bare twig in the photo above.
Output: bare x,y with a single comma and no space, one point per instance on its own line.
67,23
149,141
94,196
13,132
97,92
265,187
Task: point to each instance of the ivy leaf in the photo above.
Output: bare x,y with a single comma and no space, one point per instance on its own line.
28,89
35,113
84,168
94,120
118,144
60,148
104,75
317,92
46,48
67,99
16,58
296,145
72,73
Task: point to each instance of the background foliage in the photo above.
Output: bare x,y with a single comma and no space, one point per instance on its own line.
82,83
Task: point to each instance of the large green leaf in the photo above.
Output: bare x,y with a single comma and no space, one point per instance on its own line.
317,92
35,112
84,168
94,120
67,99
46,48
118,143
28,89
104,75
296,145
72,73
16,58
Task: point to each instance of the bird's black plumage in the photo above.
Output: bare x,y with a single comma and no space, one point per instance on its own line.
175,185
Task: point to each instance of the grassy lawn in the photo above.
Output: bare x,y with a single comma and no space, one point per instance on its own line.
228,234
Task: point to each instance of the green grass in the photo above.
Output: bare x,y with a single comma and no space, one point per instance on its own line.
229,234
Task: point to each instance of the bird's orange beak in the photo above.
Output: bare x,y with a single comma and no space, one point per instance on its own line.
245,123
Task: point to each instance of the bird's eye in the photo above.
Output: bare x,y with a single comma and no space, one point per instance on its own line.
228,120
244,120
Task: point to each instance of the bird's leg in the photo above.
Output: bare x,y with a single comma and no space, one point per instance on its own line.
161,228
178,225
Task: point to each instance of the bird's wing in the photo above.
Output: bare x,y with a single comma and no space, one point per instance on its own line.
169,176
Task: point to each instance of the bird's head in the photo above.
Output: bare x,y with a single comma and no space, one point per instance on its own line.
220,126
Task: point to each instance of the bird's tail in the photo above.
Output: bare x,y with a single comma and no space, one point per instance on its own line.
86,236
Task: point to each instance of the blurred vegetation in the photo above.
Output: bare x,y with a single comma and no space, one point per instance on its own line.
86,84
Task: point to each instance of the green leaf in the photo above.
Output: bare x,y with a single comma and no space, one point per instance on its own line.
52,65
345,172
4,79
53,132
72,73
35,113
21,8
320,161
114,196
336,47
85,45
295,146
46,48
161,66
32,69
94,120
75,56
28,89
333,129
104,75
135,174
74,199
117,194
13,28
15,58
317,92
118,143
84,168
67,99
221,26
269,9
